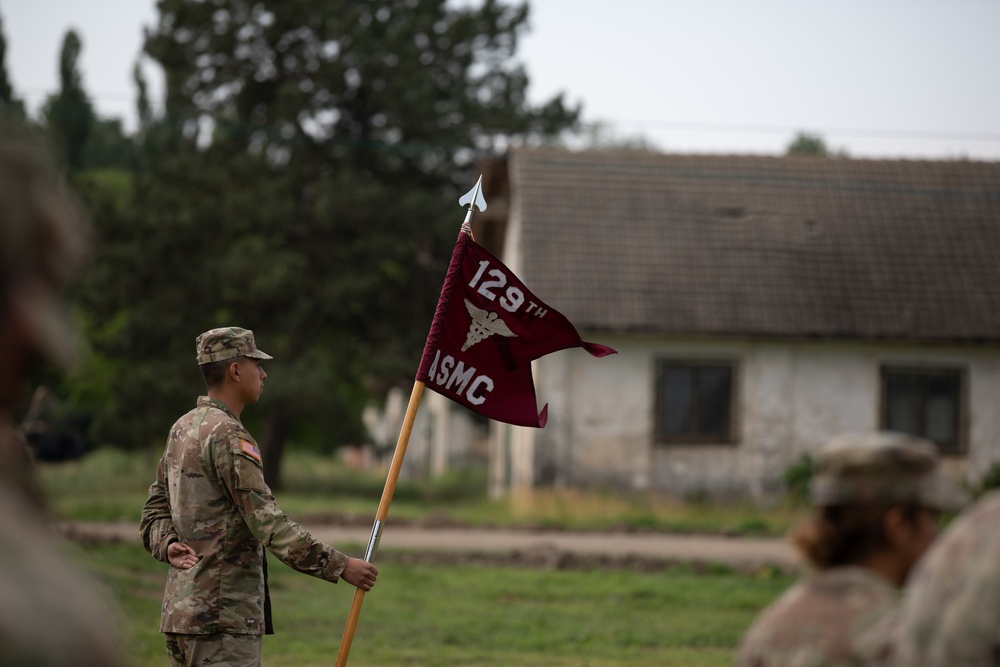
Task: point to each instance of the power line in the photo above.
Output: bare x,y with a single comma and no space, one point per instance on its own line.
870,133
689,126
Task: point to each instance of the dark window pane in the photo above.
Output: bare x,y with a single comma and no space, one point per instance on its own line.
925,403
903,403
942,409
714,391
694,401
676,400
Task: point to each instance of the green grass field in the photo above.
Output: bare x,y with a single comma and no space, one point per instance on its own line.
474,615
451,614
110,485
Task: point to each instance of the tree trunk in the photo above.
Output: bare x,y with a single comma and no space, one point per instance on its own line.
276,429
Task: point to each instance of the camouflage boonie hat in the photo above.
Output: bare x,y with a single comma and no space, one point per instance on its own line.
226,343
881,467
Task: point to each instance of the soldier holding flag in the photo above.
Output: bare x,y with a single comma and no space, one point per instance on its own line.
210,514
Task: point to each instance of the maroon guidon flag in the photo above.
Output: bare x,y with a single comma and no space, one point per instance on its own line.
487,329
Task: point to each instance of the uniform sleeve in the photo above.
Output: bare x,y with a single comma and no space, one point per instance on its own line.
241,471
156,525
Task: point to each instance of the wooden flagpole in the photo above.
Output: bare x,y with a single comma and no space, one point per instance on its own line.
380,516
474,198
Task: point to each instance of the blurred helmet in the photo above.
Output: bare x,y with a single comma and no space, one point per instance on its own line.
881,468
44,237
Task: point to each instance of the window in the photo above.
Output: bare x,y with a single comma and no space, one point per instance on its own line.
926,402
694,401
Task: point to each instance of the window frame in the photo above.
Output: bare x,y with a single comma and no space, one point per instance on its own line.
960,372
693,438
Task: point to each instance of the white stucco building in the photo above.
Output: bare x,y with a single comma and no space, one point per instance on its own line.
759,306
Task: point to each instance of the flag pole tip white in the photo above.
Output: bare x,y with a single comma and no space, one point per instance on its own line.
474,197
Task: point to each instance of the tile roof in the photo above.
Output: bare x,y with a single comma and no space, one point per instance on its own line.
762,246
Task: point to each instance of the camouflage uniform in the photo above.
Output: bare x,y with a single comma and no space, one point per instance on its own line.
210,494
846,615
950,614
52,614
842,616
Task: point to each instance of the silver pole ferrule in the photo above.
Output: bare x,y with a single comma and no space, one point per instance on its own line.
373,541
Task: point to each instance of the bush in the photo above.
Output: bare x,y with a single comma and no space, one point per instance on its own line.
988,482
796,479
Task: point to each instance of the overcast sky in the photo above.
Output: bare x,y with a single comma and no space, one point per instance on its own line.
877,78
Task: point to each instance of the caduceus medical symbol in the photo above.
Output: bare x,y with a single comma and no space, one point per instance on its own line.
484,324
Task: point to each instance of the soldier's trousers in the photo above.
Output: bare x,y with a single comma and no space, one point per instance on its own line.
218,650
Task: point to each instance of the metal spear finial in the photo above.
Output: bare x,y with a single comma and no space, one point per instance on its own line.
473,198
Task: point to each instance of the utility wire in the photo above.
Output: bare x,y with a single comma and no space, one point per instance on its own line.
870,133
698,126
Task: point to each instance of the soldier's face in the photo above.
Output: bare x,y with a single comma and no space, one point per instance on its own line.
252,377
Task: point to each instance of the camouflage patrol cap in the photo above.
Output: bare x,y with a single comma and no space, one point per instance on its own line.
44,238
881,467
226,343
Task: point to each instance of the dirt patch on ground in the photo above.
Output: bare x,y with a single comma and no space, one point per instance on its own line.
89,534
444,520
553,559
546,558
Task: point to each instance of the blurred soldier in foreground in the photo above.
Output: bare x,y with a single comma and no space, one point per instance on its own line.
51,614
877,498
950,614
210,515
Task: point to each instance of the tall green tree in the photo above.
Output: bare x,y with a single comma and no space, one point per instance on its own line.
9,104
143,107
108,146
811,145
302,183
69,114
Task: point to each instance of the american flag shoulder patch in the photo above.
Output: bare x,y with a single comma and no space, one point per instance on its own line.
250,449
